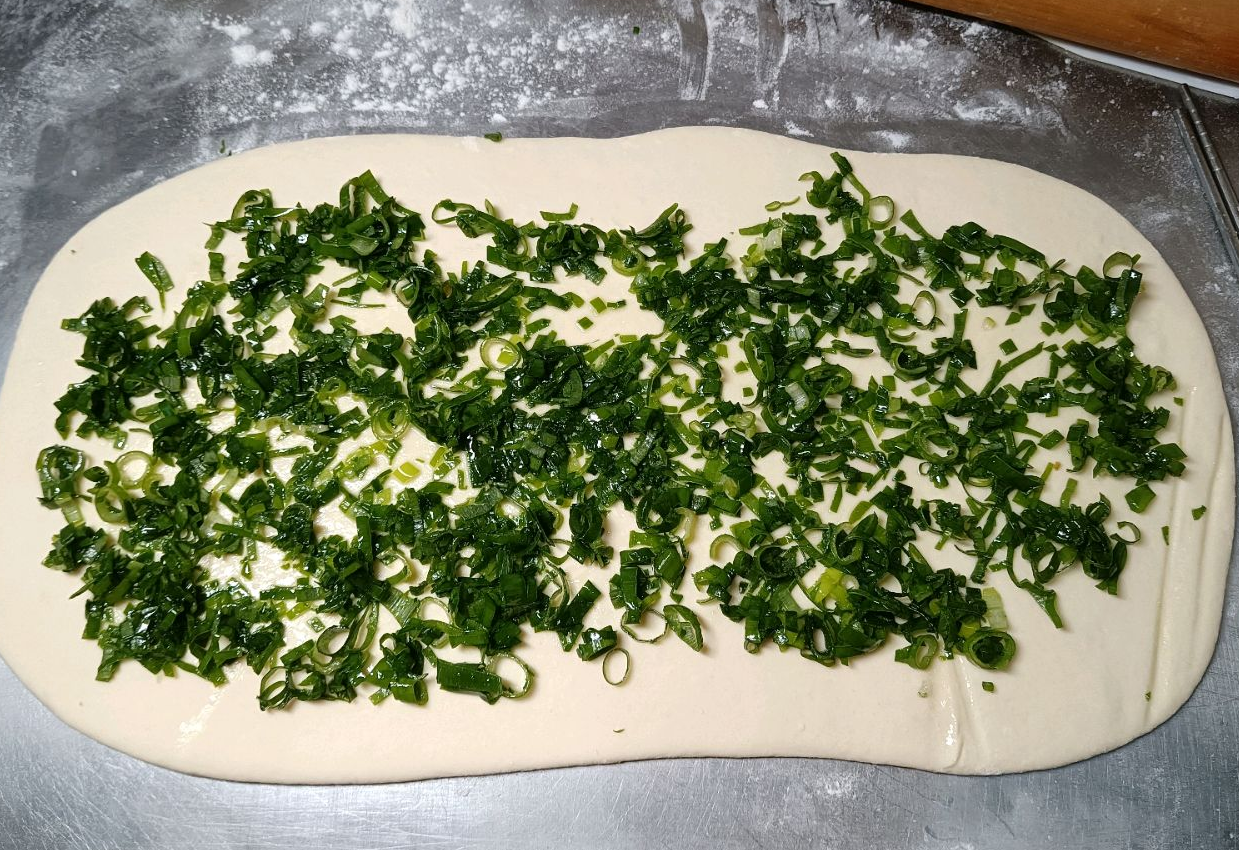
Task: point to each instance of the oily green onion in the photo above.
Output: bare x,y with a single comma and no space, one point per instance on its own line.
920,652
775,206
493,663
608,666
1140,498
466,678
129,476
1117,262
880,210
990,649
995,613
156,273
596,643
110,504
684,622
654,637
59,468
262,438
390,421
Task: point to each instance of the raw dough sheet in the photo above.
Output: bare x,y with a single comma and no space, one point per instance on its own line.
1071,693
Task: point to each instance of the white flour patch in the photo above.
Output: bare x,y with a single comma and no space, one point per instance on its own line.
405,58
236,32
895,139
247,54
403,18
835,785
358,63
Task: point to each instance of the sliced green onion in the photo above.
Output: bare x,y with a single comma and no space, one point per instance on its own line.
880,210
492,664
608,667
990,649
499,354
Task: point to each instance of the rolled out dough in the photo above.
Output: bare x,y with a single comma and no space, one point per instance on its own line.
1070,694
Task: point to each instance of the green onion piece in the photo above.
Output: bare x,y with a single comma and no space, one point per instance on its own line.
492,665
469,679
156,273
125,465
59,468
563,216
716,546
499,354
920,652
1140,498
684,622
880,210
631,632
596,642
110,504
990,649
995,614
608,667
1118,261
390,421
774,206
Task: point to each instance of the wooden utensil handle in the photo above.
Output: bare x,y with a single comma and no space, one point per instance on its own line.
1199,35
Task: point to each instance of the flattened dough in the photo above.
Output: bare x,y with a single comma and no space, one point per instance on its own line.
1070,693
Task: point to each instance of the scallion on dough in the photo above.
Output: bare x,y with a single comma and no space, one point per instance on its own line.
265,408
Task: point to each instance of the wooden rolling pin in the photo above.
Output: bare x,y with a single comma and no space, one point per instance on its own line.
1198,35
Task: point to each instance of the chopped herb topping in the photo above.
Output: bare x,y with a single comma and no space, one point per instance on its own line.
744,420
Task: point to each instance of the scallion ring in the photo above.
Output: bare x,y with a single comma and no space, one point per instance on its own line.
1118,262
390,421
1132,529
608,666
920,651
110,504
880,210
628,629
492,663
499,354
990,649
128,477
716,545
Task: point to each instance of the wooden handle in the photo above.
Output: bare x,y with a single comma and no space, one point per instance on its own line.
1199,35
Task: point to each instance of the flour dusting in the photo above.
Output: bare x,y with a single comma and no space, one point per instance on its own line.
828,70
422,64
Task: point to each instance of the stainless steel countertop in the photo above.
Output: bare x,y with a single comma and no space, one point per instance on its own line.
101,100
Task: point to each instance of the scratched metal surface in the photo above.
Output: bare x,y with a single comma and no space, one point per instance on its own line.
100,100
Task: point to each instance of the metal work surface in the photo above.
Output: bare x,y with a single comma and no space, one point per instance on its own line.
101,100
